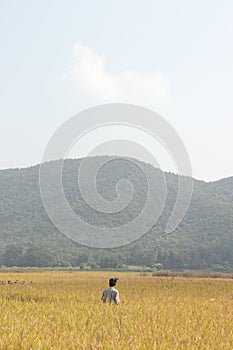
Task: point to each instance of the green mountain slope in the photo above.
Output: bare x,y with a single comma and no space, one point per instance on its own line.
203,240
223,188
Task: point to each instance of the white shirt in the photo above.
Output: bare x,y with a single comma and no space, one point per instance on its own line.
111,294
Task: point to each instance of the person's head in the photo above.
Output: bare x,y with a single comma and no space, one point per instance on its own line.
112,282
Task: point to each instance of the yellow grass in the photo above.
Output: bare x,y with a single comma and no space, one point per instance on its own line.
62,310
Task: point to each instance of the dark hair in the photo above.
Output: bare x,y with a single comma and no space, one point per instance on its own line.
113,281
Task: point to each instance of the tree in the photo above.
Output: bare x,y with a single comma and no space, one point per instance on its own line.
12,255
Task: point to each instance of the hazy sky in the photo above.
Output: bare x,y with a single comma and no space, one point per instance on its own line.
175,57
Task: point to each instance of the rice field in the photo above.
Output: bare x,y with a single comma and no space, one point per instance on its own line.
63,310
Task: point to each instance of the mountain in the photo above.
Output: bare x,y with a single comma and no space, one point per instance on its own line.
223,188
203,240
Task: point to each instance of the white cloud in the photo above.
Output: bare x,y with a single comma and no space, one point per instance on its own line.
88,71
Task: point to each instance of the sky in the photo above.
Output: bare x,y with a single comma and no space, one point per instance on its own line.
174,57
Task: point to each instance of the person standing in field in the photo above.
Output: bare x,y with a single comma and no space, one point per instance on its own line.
111,294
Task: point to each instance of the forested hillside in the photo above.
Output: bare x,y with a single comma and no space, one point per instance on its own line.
203,240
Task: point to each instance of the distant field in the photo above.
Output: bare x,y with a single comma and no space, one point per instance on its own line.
62,310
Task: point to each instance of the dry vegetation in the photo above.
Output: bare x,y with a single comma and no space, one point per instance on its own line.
62,310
